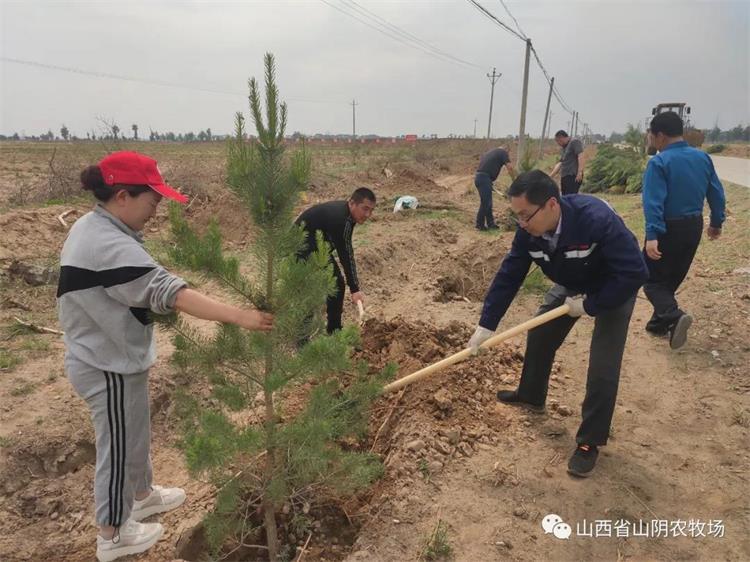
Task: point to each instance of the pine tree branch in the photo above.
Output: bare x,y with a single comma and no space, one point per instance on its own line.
224,279
242,373
240,473
255,109
272,93
223,363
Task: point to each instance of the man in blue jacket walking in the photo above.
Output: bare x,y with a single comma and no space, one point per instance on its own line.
597,266
676,183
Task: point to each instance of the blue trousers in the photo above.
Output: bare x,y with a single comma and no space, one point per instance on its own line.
483,183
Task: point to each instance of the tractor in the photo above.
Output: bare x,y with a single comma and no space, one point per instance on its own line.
693,136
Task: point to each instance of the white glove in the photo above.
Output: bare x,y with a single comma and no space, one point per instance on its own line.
480,336
576,306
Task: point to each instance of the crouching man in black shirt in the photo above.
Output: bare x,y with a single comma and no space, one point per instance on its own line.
336,221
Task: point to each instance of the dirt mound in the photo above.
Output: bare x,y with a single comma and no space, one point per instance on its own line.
52,458
416,181
223,207
44,491
409,182
458,287
442,233
404,342
427,424
468,275
35,233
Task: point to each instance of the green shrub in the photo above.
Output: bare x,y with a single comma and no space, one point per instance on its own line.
528,159
615,167
715,148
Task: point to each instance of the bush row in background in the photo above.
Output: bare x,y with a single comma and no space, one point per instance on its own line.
615,169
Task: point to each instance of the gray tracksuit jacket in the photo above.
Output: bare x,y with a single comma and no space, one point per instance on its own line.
108,284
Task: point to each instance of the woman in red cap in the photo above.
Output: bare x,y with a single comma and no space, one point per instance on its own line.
108,285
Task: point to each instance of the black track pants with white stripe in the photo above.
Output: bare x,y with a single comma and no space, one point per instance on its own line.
119,408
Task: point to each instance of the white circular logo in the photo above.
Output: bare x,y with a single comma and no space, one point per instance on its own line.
549,522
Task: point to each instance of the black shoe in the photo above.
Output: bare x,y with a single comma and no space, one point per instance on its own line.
657,330
583,460
657,327
511,397
481,228
678,332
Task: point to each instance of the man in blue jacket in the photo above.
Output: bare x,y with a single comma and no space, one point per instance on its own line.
582,245
675,185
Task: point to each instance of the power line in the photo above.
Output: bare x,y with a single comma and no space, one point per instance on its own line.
555,92
97,74
381,28
372,16
115,76
514,20
524,38
547,76
488,15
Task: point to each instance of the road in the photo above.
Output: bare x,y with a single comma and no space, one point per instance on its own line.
735,170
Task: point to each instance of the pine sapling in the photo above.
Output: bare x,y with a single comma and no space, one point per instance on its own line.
289,459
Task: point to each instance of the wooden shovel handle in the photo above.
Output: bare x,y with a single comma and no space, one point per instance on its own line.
491,342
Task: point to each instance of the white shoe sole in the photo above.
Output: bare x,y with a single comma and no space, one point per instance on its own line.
140,514
115,553
680,330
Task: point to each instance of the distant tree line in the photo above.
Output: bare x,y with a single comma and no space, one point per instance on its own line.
113,132
738,133
735,134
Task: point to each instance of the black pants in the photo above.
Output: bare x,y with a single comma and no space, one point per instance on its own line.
335,302
569,185
605,360
483,183
677,246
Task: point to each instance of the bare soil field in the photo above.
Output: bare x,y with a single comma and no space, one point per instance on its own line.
482,474
739,150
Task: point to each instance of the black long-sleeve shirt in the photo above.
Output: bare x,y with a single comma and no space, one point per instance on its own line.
335,222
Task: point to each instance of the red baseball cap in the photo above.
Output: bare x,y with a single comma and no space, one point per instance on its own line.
132,168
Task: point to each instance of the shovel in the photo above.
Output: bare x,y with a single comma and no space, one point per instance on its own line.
361,309
491,342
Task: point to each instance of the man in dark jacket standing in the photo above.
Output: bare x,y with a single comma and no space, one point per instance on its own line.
489,168
676,183
336,221
582,245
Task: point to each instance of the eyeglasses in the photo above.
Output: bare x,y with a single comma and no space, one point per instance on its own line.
527,220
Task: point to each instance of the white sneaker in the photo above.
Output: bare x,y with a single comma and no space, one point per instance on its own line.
133,538
158,501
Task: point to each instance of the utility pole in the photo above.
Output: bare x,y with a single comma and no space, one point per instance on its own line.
546,113
574,132
522,128
493,78
475,127
549,125
354,119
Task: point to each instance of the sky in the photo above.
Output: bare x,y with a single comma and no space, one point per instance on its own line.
189,63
